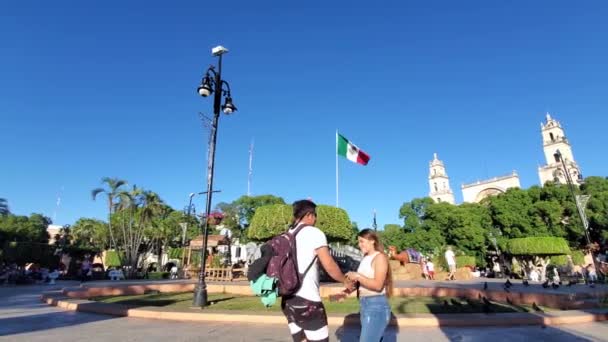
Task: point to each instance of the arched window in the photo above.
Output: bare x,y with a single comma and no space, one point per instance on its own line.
435,184
552,137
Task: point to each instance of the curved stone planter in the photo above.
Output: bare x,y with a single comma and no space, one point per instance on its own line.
76,299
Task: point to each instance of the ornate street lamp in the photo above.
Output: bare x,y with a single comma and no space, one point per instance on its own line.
212,83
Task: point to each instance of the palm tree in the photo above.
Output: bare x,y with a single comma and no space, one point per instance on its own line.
4,207
113,187
151,206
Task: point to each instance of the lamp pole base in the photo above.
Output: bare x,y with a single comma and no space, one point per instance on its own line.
200,296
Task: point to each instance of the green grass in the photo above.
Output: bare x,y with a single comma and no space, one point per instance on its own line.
223,302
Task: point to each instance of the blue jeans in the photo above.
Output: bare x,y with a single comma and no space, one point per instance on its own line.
375,315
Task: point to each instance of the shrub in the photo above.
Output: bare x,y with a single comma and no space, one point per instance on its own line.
274,219
538,246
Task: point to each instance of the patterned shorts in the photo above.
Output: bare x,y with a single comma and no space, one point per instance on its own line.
306,319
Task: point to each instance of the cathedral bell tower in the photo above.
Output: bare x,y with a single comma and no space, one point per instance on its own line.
439,182
554,139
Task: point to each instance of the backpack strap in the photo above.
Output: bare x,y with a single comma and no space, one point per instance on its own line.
309,266
295,232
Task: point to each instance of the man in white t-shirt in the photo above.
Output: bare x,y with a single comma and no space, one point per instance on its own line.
306,316
450,259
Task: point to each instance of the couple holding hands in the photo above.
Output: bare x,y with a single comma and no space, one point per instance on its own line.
305,313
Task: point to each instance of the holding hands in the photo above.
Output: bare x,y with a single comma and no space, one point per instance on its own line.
353,276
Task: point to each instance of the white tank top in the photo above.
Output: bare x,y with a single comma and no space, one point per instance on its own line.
366,269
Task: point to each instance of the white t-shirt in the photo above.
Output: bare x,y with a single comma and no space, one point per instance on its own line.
430,267
450,258
307,241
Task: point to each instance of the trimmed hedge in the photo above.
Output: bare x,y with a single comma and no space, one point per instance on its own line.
274,219
538,246
269,220
334,222
559,260
578,258
158,275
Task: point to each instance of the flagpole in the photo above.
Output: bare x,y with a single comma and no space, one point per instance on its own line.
337,179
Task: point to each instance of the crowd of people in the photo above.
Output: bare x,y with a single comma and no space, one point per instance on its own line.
13,274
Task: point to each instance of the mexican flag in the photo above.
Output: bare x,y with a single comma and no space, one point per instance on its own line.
351,152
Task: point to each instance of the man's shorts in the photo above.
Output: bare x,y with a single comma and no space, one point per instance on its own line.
306,319
452,268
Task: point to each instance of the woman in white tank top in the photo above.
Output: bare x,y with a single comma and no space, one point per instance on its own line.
375,285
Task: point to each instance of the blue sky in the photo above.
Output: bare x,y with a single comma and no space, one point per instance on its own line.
109,89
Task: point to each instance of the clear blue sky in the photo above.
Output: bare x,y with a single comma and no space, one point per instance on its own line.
109,89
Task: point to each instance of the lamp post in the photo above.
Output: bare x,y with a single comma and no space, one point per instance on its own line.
188,211
211,82
580,207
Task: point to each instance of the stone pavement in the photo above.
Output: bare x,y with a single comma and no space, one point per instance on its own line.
24,318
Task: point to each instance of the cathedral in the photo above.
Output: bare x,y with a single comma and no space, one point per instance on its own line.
554,145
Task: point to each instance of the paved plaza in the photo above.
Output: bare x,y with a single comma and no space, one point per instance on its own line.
24,318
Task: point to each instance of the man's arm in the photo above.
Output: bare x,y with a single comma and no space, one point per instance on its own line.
329,264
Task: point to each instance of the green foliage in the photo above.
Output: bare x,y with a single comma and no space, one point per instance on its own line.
334,222
578,257
465,260
559,260
113,259
246,206
90,233
353,241
274,219
24,228
158,275
25,252
393,235
175,252
414,212
536,212
540,246
270,220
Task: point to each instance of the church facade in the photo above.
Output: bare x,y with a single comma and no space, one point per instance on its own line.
554,145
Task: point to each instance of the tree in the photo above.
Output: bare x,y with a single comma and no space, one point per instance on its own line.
4,210
510,213
113,188
413,212
536,252
25,239
166,229
393,235
247,205
90,233
597,207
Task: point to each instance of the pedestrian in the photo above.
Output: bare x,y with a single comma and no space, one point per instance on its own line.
85,269
431,269
425,270
375,285
450,259
306,316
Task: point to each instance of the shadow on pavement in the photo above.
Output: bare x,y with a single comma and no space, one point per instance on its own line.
52,320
